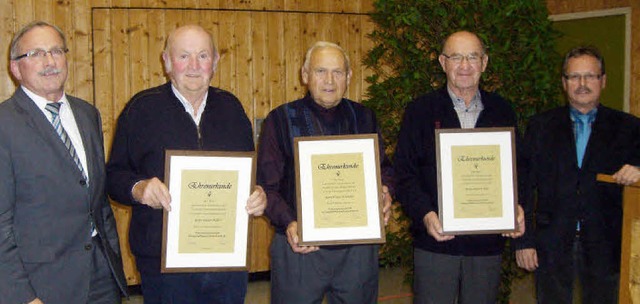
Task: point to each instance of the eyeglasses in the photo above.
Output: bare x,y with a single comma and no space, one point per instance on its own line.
473,58
578,77
40,53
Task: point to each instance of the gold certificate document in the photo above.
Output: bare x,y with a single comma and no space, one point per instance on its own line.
338,189
338,184
476,178
207,227
208,211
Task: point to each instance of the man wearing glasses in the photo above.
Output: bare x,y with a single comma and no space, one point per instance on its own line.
58,238
578,220
466,268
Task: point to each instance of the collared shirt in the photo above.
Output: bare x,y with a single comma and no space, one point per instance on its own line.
467,115
68,123
188,107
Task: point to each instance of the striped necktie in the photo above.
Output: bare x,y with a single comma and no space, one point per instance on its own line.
54,109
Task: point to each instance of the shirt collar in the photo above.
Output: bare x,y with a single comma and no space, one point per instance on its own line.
458,102
575,114
187,105
40,101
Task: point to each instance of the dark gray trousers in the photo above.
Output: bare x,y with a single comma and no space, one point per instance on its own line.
103,288
599,282
448,279
348,274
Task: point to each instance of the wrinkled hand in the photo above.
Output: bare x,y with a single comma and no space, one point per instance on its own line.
627,175
434,227
153,193
292,238
527,259
257,202
520,226
386,204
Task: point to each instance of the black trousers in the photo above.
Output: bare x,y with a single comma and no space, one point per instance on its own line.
599,283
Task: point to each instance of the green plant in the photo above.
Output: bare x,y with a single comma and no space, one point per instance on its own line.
523,66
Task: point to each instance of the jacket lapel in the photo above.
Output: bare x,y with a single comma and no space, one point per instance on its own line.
42,126
601,131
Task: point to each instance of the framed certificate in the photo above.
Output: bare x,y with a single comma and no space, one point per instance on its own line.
339,190
477,184
207,228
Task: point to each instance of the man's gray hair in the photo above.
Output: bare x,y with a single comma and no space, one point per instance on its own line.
14,52
322,45
588,50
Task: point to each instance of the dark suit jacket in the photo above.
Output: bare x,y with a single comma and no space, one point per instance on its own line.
45,206
567,194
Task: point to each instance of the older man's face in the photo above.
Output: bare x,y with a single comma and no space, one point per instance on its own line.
327,77
464,74
44,76
190,61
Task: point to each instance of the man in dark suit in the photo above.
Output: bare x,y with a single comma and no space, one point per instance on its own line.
58,239
578,220
448,269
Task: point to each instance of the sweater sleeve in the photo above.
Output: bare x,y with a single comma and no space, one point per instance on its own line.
271,173
121,174
412,166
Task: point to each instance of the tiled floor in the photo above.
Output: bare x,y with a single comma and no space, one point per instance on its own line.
392,290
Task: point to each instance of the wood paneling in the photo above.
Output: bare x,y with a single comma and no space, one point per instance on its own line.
115,51
261,56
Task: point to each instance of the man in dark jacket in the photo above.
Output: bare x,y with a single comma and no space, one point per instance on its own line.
184,114
305,274
578,220
466,267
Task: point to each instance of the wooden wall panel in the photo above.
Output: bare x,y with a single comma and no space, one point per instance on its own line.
115,51
6,32
276,77
74,17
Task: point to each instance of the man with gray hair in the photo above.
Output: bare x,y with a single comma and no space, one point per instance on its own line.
58,237
185,113
305,274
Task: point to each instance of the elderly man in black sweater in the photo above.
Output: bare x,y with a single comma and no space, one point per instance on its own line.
186,114
466,267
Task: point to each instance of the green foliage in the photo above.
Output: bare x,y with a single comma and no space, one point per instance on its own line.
398,248
523,68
